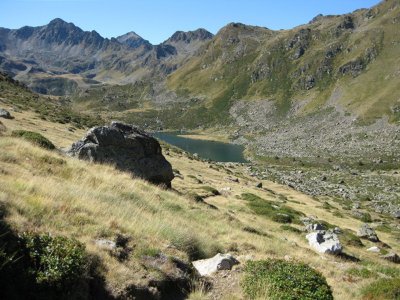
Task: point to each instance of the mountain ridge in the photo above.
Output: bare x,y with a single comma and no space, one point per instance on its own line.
60,47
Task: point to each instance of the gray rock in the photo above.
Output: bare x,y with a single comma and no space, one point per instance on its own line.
127,148
5,114
392,257
374,249
105,244
314,227
219,262
366,232
259,185
325,242
396,214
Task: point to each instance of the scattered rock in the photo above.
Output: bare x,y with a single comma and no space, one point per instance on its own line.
314,227
374,249
233,179
366,232
337,230
5,114
105,244
396,214
225,190
392,257
128,148
308,220
325,242
220,261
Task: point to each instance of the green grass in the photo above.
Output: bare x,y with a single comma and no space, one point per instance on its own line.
382,289
278,279
35,138
361,272
17,95
211,190
290,229
271,210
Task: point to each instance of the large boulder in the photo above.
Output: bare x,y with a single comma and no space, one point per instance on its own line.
325,242
127,148
219,262
366,232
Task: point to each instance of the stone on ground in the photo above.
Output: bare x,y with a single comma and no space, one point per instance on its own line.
324,242
219,262
366,232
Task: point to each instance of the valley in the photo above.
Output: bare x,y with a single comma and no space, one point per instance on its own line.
277,147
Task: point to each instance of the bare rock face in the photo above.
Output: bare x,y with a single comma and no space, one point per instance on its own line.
128,148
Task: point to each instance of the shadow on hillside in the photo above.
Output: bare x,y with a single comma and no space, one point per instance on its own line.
17,282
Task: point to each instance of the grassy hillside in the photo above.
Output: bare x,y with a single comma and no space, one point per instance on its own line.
44,191
19,97
354,53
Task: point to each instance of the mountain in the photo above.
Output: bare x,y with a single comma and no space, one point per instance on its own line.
61,55
133,40
328,88
348,64
335,74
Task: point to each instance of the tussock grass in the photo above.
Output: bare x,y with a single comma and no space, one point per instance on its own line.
48,193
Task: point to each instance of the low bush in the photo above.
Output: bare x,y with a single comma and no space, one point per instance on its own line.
54,261
279,279
35,138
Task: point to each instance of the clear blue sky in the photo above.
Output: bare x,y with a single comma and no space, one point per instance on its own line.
156,20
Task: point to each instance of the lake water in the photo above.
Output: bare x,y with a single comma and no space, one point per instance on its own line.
216,151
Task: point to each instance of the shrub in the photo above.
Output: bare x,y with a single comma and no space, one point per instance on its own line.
282,218
278,279
54,261
382,289
35,138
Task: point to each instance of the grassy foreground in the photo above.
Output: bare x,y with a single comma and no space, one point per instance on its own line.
46,192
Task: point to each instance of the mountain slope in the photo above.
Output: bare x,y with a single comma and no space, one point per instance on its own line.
164,230
301,68
62,55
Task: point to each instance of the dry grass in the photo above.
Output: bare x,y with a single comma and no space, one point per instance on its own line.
47,192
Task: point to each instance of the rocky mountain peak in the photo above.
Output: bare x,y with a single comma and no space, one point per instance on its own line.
189,36
58,22
133,40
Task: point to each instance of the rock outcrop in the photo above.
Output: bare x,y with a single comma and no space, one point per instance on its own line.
128,148
325,242
5,114
219,262
366,232
392,257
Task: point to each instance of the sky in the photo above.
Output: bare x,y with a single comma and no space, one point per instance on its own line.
156,20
